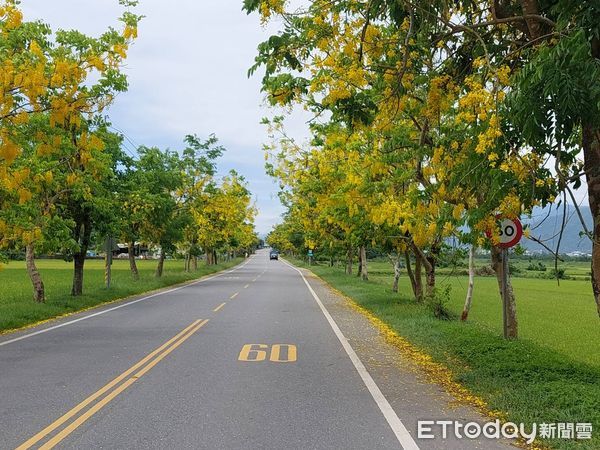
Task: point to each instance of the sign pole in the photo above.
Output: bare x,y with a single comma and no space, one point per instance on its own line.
510,232
505,294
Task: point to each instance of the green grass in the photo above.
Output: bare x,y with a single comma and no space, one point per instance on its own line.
551,374
17,308
574,269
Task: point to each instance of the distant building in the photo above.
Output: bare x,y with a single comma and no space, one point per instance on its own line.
140,250
578,254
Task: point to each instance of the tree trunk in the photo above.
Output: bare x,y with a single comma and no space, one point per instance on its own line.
161,263
469,298
78,265
209,257
82,234
511,313
531,7
430,273
216,257
418,279
132,264
360,266
591,154
349,258
411,275
194,263
364,273
396,264
36,279
428,262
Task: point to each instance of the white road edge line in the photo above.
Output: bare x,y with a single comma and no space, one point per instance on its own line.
71,322
402,434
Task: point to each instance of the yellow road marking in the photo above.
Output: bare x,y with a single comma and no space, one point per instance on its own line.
234,295
246,287
100,392
219,307
253,352
89,413
176,341
259,352
155,361
292,353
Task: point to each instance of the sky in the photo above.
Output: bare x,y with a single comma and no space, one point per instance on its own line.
187,74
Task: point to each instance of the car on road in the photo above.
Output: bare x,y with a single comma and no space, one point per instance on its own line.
274,254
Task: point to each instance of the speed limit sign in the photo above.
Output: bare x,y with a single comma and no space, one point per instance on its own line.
511,232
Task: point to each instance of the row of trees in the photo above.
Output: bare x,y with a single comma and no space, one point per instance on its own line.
176,202
431,119
66,181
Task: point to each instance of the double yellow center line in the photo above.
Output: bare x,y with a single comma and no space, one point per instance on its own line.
114,388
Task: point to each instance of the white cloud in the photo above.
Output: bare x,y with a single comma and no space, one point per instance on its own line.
188,74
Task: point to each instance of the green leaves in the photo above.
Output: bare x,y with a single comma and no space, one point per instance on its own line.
556,91
147,200
276,52
357,109
251,5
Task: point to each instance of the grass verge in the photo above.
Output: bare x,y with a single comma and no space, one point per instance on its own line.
17,309
525,381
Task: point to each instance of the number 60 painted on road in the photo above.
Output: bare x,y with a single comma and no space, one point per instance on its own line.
258,352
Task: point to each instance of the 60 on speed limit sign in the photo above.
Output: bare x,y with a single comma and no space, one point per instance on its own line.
511,232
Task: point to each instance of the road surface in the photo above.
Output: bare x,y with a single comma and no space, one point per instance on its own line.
253,358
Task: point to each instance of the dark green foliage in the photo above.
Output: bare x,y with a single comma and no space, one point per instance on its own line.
559,274
557,90
539,267
437,303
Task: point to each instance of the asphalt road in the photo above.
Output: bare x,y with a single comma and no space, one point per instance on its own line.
248,359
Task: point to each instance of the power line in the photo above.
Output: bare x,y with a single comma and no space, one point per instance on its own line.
133,153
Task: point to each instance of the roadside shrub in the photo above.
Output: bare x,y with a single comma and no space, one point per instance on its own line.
437,303
560,274
14,256
539,267
514,270
484,271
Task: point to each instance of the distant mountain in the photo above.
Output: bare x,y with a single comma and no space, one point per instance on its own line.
545,225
